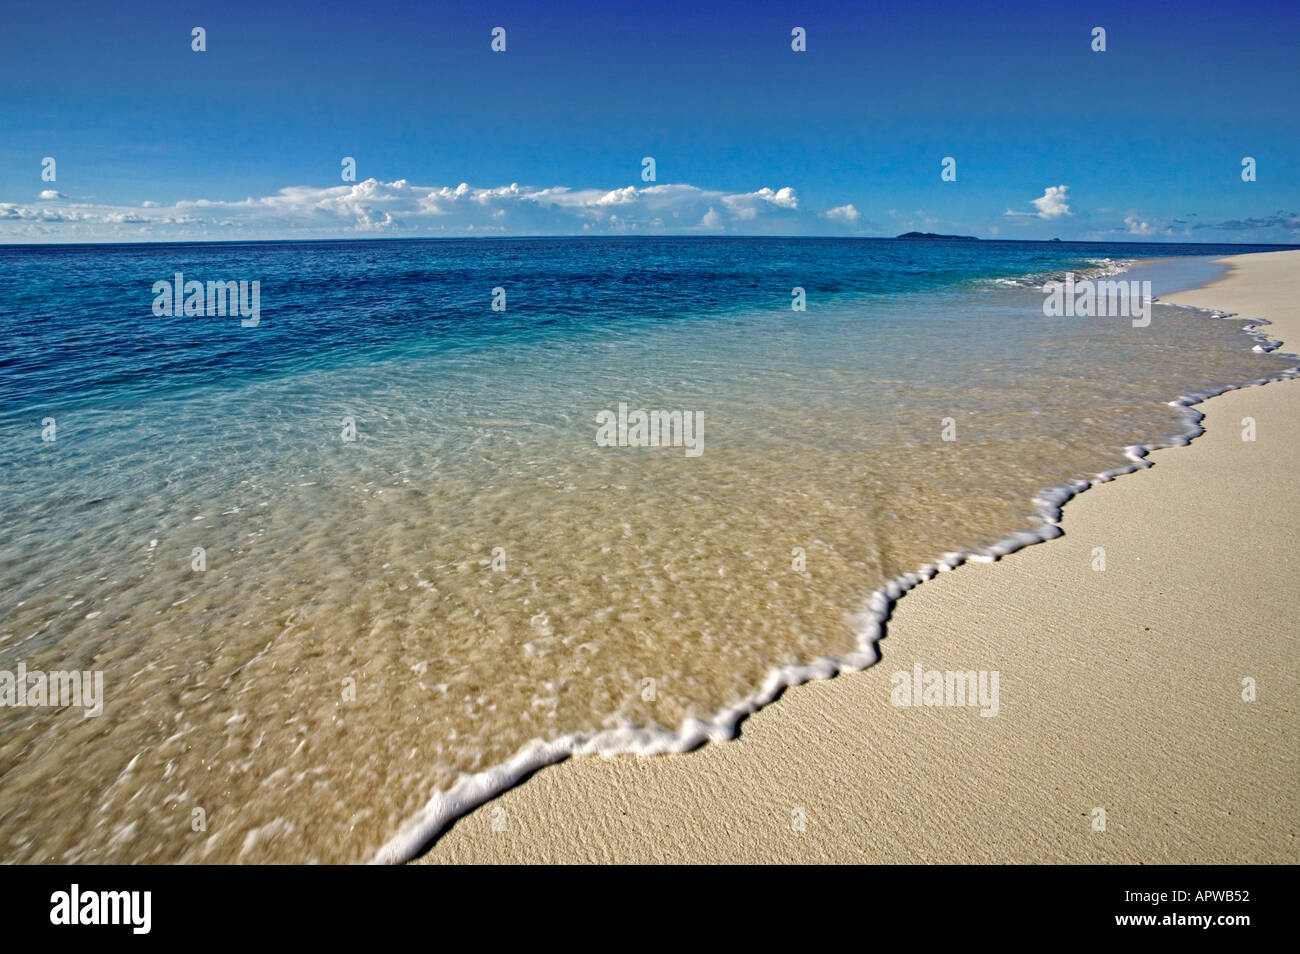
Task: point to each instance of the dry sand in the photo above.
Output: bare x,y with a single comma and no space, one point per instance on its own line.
1119,690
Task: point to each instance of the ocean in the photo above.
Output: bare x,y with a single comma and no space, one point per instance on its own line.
354,564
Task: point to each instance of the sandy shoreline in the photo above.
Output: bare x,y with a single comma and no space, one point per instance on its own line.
1119,690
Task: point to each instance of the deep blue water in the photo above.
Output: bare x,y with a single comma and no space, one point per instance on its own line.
79,324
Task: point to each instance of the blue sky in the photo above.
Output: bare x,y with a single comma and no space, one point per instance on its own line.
153,141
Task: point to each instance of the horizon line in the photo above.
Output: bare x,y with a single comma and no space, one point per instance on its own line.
937,238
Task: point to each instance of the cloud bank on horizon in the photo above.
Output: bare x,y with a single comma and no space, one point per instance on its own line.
375,209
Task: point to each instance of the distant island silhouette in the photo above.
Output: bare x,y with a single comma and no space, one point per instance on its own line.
932,235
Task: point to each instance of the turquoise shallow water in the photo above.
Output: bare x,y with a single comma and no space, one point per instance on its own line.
377,617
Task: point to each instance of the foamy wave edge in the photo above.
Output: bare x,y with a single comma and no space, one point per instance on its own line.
1096,268
418,833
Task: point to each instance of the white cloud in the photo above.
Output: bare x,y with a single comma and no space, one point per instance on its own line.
712,222
1136,227
51,194
747,206
1052,204
844,213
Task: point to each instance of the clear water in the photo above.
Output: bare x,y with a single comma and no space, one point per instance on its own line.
350,649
